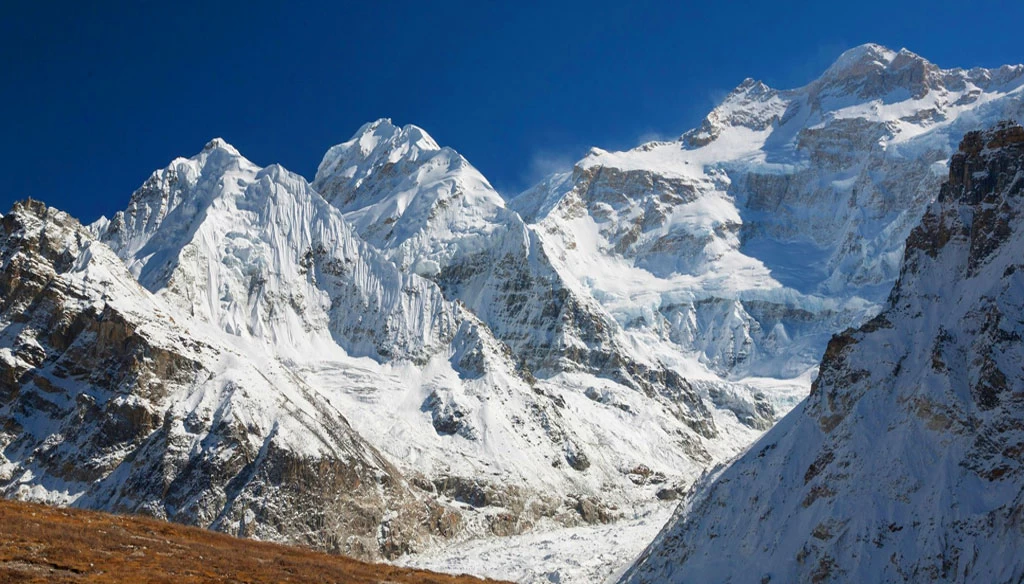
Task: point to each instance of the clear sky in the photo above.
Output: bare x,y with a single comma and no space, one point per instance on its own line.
95,96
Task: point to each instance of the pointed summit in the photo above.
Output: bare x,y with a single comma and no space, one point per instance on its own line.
862,58
380,139
348,174
395,183
872,71
221,144
180,194
255,252
751,105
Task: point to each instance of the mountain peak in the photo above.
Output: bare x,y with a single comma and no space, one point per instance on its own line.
871,60
383,135
872,71
217,154
221,144
752,104
749,87
866,56
375,146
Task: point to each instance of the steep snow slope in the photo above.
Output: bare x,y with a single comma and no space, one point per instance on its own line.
906,461
431,212
114,399
262,256
424,204
777,222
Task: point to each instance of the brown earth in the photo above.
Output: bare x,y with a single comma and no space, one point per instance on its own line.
47,544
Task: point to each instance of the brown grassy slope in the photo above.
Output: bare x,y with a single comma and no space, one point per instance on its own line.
46,544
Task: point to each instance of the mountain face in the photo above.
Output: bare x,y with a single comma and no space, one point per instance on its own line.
258,253
905,462
778,221
108,401
393,357
432,213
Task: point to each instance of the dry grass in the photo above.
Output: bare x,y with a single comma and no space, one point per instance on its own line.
46,544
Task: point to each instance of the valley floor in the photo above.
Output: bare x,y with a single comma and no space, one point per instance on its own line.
47,544
578,555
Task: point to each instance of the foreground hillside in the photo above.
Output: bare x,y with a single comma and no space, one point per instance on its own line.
906,463
44,544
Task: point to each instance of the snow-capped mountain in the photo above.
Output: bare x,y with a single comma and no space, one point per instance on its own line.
432,213
258,253
112,400
906,461
780,219
457,365
289,306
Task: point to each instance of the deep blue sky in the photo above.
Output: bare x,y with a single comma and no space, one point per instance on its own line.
93,99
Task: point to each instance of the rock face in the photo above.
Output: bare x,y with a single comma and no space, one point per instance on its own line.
905,463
